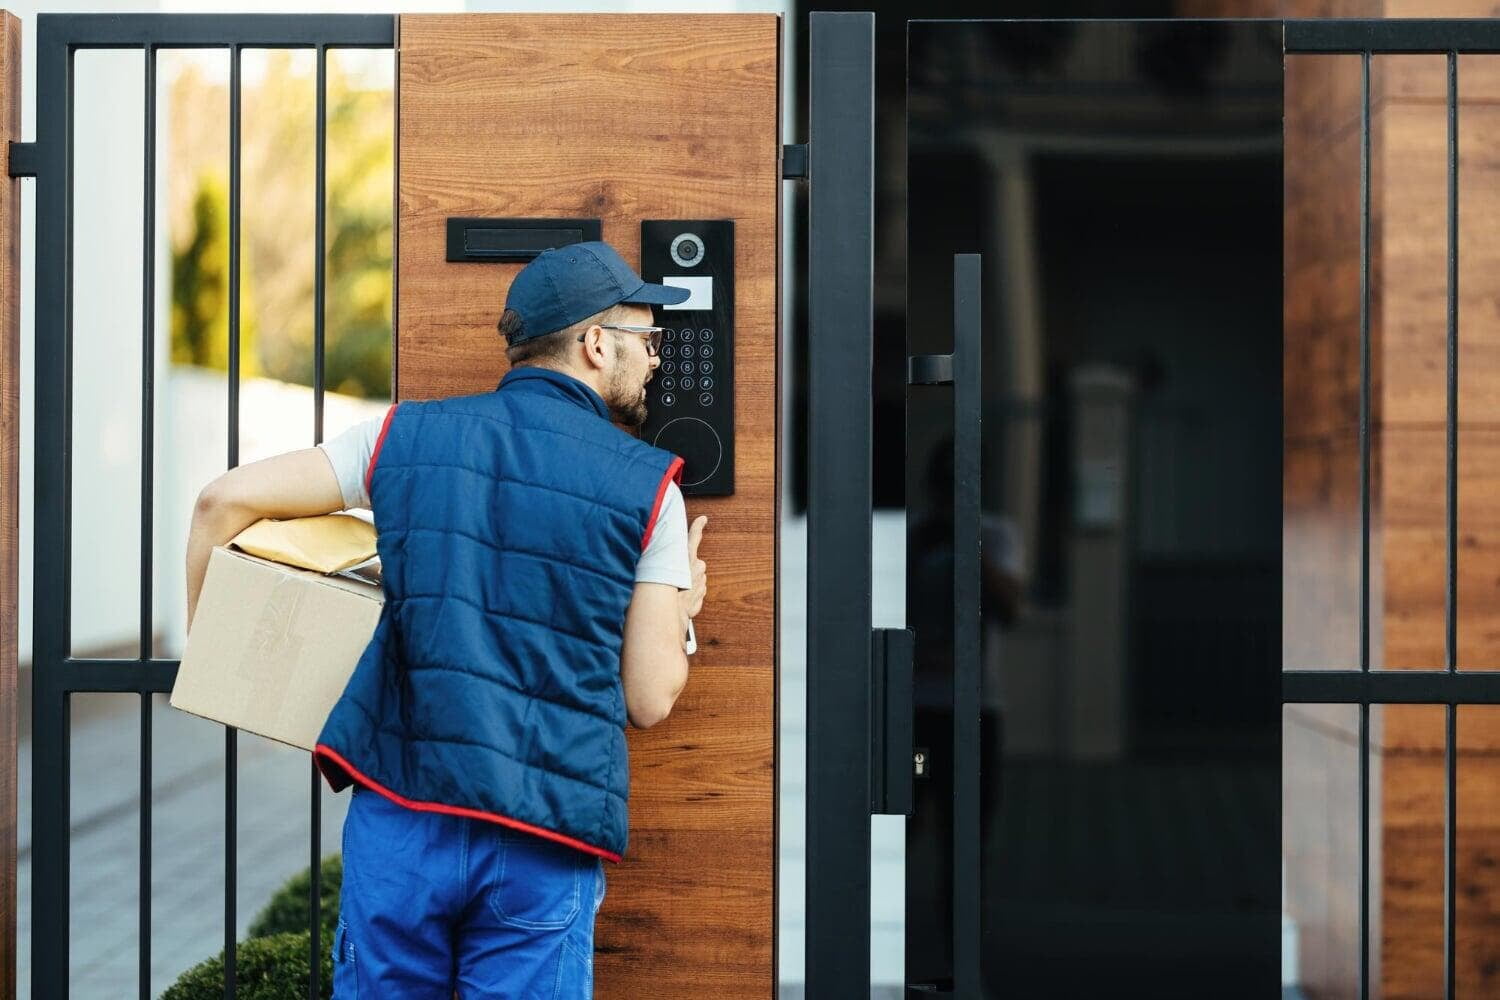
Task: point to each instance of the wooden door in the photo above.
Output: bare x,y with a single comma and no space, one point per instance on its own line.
624,118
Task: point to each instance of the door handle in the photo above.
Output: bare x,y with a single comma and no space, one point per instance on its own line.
962,371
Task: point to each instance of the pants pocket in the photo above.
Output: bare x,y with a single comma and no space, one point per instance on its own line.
539,887
345,984
575,973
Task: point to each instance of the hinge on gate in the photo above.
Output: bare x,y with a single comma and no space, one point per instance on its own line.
892,759
929,369
794,162
23,159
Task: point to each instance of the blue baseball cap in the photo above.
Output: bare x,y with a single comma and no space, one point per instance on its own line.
566,284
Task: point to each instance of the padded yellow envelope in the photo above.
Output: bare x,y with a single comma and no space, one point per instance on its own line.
329,543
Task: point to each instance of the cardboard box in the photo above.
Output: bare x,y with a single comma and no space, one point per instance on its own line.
272,646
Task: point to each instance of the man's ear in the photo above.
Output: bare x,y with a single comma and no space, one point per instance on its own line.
593,347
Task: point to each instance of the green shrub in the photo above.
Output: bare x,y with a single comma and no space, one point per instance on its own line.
287,911
272,963
266,968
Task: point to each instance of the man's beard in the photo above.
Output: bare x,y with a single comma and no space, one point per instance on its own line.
626,401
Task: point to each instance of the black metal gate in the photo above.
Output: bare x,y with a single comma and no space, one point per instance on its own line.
58,674
859,705
850,775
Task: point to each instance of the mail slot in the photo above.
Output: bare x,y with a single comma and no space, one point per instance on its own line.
503,240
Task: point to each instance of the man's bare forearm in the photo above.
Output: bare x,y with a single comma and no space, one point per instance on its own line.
213,524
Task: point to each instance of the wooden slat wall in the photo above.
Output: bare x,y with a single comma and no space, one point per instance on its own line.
1408,328
1321,529
1408,546
625,117
10,476
1413,296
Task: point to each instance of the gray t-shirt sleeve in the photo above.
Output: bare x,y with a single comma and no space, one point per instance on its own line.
666,557
664,561
349,454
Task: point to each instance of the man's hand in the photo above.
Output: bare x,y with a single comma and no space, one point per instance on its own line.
691,600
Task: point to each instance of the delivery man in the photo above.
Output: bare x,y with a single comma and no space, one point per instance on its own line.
540,583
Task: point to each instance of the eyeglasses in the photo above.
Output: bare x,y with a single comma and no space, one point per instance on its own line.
653,335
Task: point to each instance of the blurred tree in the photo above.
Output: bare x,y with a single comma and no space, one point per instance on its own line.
360,143
278,212
200,287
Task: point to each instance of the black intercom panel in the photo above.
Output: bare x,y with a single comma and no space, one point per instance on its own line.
690,402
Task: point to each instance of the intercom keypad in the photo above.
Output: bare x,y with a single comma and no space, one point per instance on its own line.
690,401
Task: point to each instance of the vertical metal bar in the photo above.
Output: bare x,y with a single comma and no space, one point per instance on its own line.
1364,525
1451,624
51,577
315,780
148,451
231,735
841,132
321,246
1450,750
144,959
148,345
234,256
966,442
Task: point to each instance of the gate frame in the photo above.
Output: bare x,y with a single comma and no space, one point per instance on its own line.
838,731
56,673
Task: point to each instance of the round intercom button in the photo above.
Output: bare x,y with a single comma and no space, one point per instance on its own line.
667,399
670,335
706,335
707,399
688,385
669,367
688,350
688,368
706,367
668,351
688,336
668,384
706,383
705,351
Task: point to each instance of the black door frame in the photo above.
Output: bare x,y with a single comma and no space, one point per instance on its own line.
842,766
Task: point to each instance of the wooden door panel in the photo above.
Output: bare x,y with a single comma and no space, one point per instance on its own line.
624,118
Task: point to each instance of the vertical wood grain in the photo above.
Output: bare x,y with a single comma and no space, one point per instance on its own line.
10,475
624,118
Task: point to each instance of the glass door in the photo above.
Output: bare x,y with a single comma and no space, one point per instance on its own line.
1099,810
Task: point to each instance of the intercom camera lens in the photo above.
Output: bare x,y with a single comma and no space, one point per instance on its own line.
687,250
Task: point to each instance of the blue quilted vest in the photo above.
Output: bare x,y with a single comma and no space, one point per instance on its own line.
509,528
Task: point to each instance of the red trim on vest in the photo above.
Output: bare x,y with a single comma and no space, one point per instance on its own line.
515,824
379,442
674,474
